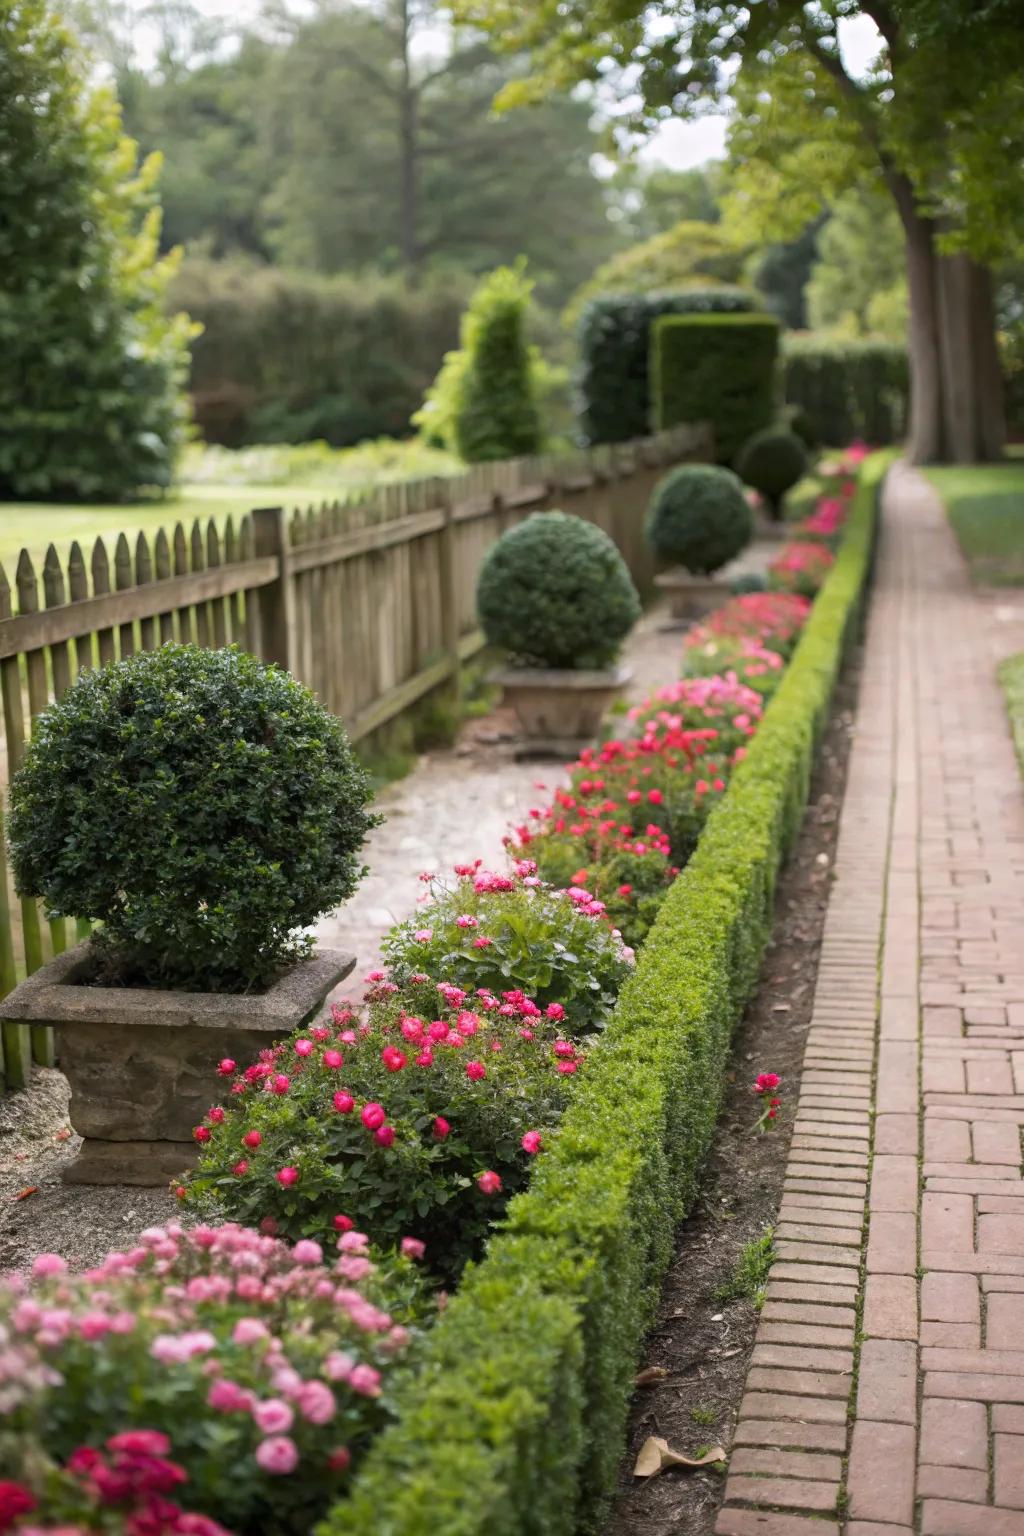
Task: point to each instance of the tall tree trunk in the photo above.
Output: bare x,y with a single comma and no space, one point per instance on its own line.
408,130
956,386
926,427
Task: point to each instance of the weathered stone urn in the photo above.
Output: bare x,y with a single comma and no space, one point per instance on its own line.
692,597
560,710
142,1063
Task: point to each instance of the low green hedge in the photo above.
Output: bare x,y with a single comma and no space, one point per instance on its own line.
514,1424
717,368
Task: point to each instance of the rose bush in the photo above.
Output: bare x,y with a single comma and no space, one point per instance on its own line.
419,1120
773,619
511,931
801,568
265,1368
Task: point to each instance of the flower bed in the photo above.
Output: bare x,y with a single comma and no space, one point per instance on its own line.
486,1078
546,1331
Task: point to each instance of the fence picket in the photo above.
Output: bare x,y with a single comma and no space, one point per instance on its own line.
100,586
143,577
124,577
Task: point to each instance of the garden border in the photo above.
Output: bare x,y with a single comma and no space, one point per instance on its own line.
513,1424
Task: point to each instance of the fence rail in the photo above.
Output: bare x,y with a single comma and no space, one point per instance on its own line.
370,602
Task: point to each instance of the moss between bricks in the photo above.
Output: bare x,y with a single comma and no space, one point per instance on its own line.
513,1425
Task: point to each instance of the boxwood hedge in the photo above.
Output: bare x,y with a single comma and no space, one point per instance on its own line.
514,1424
717,368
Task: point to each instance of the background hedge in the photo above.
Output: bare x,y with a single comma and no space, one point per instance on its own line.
846,390
515,1425
290,356
715,367
614,345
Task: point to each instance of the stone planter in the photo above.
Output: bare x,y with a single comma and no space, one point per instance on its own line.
692,597
141,1062
559,710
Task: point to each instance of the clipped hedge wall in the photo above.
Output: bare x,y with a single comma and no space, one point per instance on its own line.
615,345
285,357
845,390
514,1426
718,368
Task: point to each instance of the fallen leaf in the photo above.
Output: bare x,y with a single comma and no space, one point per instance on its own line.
30,1189
656,1455
649,1375
64,1135
780,1007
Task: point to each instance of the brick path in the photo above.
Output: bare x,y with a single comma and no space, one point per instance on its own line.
886,1388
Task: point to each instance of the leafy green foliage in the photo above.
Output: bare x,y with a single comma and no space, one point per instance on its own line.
91,368
690,253
615,345
846,390
718,368
548,1329
698,518
200,805
858,285
496,411
772,461
555,592
504,935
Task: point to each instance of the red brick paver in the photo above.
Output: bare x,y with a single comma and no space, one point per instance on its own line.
913,1214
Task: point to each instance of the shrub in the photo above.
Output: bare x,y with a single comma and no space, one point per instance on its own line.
496,411
772,462
754,665
615,346
411,1124
847,389
91,367
800,568
715,367
548,1329
555,592
773,619
201,805
511,933
699,518
287,356
267,1369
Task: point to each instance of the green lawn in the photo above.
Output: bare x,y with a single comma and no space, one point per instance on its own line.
218,483
986,508
1011,675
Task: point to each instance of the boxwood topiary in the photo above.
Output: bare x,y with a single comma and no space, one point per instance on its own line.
555,592
201,805
699,518
772,462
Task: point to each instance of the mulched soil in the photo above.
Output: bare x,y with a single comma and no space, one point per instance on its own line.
703,1343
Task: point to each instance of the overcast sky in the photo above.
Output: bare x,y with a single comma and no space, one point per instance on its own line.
678,144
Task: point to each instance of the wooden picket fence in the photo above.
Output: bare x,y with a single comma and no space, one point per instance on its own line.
370,603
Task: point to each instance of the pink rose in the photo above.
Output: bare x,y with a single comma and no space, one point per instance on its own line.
316,1402
273,1417
373,1116
307,1252
413,1248
277,1455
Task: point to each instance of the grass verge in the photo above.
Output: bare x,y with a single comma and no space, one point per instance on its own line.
514,1422
986,508
1011,678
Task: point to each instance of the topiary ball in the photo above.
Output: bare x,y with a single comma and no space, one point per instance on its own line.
201,805
772,462
699,518
555,592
